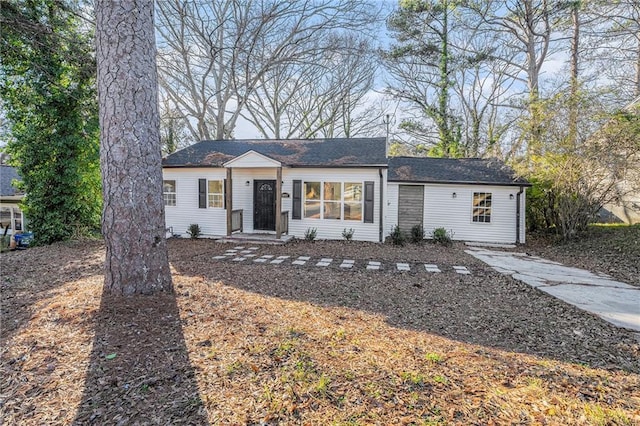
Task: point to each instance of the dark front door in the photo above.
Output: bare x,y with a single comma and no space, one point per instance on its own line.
264,205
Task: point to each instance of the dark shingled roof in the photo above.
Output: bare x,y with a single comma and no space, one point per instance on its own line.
291,152
450,170
7,175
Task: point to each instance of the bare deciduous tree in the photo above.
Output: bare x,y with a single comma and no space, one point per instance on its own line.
173,131
213,55
322,95
525,30
612,43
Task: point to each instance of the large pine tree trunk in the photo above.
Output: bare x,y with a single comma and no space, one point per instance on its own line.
133,213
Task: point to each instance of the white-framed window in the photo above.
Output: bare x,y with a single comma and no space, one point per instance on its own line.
481,207
169,192
312,196
353,201
332,200
215,193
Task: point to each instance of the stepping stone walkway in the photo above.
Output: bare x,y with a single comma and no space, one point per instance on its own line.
403,267
432,268
347,263
462,270
240,254
373,265
301,260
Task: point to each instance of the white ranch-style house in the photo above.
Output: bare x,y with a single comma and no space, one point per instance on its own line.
291,186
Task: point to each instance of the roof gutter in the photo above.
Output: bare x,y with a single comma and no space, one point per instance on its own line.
381,229
518,214
461,182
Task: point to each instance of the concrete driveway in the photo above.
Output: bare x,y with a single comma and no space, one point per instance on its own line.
614,301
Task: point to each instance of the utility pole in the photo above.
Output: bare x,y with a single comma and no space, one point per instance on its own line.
386,121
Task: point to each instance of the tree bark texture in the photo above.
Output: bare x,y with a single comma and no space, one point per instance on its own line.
130,157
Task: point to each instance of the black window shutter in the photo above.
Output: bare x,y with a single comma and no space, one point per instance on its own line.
202,193
368,202
224,194
297,199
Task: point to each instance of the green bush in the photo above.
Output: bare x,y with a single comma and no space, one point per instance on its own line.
347,234
5,241
310,234
194,230
397,236
417,234
441,236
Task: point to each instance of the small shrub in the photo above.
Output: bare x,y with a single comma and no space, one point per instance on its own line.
397,236
310,234
440,379
413,378
194,230
433,357
347,234
441,236
322,385
5,242
417,233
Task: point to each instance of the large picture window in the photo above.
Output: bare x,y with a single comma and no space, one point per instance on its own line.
215,193
482,207
169,192
332,200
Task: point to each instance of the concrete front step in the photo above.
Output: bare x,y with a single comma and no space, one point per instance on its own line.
255,239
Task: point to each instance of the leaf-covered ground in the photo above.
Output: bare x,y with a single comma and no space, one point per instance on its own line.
248,343
612,249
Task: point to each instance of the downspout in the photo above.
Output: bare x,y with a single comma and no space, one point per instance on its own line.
518,196
380,236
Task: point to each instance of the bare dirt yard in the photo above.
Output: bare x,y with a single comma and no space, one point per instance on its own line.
258,343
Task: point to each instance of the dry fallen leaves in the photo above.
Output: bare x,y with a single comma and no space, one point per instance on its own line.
242,343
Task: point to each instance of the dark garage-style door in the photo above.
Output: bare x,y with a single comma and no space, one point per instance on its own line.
410,206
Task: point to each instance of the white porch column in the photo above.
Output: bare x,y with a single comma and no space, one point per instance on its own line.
278,202
229,200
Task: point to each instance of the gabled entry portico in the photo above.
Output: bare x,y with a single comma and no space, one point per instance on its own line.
267,193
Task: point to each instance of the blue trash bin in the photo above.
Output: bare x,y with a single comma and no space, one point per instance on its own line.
24,239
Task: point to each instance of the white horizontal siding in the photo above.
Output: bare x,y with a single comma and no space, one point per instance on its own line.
391,208
212,221
455,214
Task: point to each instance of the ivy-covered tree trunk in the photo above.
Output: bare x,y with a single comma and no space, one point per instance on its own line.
423,62
47,77
442,119
133,213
